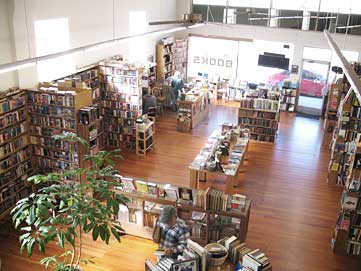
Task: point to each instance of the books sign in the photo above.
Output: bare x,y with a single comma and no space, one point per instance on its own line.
212,57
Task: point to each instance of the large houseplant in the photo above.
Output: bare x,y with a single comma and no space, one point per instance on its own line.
63,210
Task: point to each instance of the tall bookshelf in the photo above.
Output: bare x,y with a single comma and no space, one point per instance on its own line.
121,86
288,99
149,77
164,56
180,54
54,110
261,117
85,78
15,154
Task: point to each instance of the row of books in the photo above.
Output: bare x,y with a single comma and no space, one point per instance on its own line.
10,202
47,163
355,234
266,138
258,122
53,122
289,92
45,131
121,106
12,103
12,117
349,203
11,132
59,98
60,112
260,130
14,159
12,188
63,155
120,80
121,88
88,114
259,103
354,248
257,114
121,114
11,175
13,146
119,71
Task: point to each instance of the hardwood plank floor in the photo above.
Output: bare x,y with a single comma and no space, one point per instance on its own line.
293,208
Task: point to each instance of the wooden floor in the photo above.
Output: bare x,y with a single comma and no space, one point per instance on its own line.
293,208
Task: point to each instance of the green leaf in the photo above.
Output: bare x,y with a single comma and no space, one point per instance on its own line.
60,236
62,204
30,246
116,234
95,233
69,238
41,245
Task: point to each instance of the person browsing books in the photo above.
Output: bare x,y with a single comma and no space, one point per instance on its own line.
177,85
175,232
149,101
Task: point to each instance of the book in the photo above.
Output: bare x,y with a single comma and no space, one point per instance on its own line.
152,189
185,194
350,203
128,184
142,186
171,192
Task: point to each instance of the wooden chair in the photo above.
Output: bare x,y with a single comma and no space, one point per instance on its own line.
157,91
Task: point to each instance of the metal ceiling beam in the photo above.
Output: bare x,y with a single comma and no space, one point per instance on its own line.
351,75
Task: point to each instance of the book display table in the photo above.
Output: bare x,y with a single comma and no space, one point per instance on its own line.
222,155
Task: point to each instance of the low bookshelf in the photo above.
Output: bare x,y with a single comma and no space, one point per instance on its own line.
15,152
288,99
261,117
210,214
144,136
192,109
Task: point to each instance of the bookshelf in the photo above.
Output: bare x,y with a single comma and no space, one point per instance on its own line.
228,147
149,77
144,137
261,117
121,86
336,94
347,235
210,213
54,110
180,52
164,57
288,99
193,109
15,153
85,78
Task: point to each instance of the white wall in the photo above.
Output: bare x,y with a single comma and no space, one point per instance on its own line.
6,46
90,21
299,38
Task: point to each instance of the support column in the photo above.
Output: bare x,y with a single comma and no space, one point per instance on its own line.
306,20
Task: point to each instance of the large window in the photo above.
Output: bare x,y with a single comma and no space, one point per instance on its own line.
229,16
52,36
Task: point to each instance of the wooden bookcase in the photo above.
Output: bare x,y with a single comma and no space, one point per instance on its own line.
144,137
193,109
145,228
149,77
15,153
288,99
336,94
121,85
262,121
54,110
164,56
180,53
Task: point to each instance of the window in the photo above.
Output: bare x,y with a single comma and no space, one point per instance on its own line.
52,36
230,16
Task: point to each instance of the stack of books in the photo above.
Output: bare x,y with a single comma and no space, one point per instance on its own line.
256,260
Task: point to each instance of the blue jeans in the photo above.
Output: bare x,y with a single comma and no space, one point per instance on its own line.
174,99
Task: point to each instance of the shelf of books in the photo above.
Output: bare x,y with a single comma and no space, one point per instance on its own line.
261,117
193,109
144,136
15,153
210,213
165,59
149,77
86,78
54,110
288,99
180,51
336,94
121,85
347,236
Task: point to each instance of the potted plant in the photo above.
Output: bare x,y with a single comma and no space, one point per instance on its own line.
62,210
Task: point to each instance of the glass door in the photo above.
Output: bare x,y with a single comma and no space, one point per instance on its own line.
313,86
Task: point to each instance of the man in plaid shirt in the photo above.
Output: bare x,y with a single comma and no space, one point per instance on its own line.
175,232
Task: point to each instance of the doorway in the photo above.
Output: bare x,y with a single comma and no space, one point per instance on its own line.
313,86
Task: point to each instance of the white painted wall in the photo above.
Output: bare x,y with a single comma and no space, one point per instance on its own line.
90,21
6,46
299,38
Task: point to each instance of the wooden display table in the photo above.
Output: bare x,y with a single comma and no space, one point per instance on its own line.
200,174
194,108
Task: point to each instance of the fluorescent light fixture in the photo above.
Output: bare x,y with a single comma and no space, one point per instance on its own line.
17,67
349,27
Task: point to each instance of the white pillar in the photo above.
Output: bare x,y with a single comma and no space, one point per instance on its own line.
273,21
306,20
